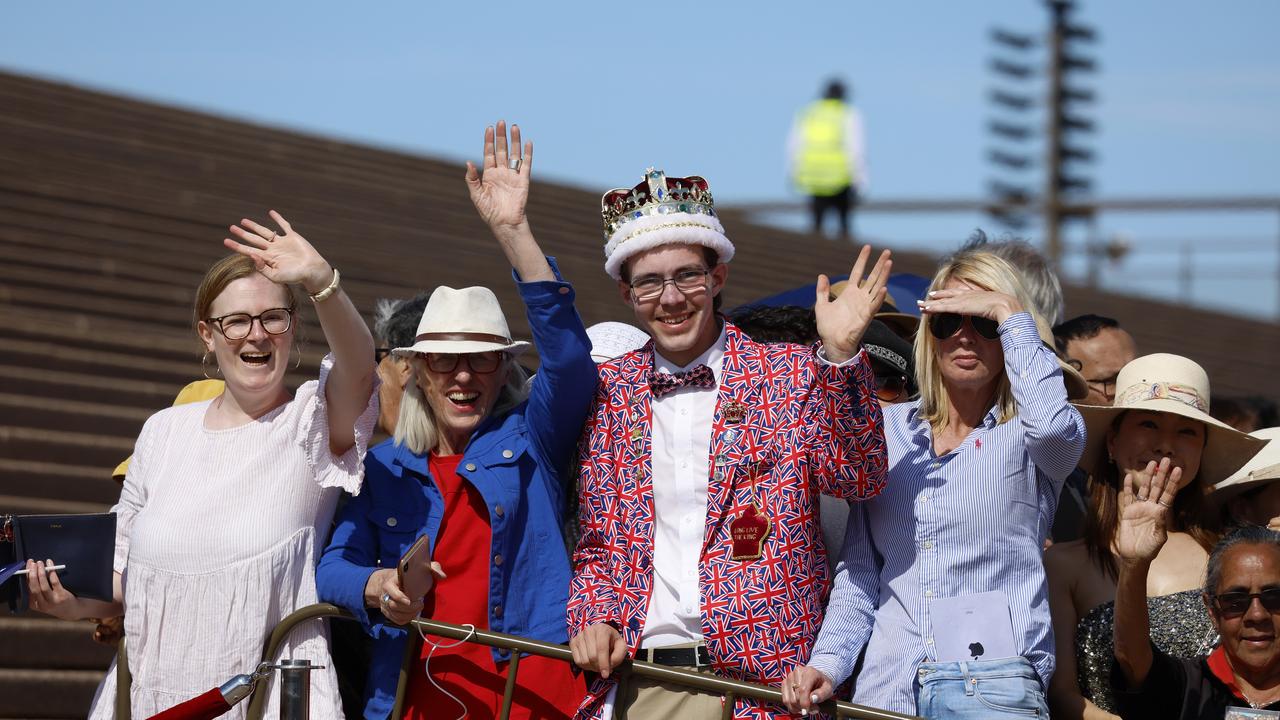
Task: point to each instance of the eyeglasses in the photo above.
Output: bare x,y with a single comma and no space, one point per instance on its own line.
944,325
1235,604
237,326
891,388
380,354
1105,386
687,281
481,363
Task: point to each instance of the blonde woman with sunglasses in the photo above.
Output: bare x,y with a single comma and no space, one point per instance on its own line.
976,465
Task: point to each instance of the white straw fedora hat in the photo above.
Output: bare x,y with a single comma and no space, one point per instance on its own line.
1264,467
1169,384
469,320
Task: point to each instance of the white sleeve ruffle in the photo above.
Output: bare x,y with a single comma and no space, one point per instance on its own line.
347,470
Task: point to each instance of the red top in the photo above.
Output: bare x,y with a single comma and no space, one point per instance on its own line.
545,688
1221,669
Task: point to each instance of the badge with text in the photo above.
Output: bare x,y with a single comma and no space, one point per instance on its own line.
749,531
733,412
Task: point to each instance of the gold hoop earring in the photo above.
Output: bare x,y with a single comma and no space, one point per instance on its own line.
204,366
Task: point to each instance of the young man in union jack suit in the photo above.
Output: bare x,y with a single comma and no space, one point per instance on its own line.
702,464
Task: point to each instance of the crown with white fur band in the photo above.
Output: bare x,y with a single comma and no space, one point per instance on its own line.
660,211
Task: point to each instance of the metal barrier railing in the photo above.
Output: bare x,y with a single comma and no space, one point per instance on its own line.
730,689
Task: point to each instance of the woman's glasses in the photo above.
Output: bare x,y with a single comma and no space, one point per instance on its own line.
237,326
944,325
481,363
1235,604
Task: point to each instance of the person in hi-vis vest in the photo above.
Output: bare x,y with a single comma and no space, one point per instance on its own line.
825,156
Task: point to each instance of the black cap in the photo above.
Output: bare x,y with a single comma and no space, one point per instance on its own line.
885,347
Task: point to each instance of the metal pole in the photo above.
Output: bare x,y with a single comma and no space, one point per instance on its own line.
295,689
661,673
1052,205
726,711
509,693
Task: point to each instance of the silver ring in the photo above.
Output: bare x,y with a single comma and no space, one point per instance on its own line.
516,167
386,598
1163,504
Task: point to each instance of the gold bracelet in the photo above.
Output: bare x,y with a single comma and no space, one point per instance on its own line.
331,289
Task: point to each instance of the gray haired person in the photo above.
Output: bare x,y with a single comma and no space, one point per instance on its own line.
394,325
1038,277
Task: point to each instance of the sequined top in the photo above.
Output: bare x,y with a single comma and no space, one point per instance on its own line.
1180,626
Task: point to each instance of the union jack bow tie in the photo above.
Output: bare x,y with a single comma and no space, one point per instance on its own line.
666,383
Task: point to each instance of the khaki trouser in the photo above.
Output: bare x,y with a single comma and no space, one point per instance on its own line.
641,698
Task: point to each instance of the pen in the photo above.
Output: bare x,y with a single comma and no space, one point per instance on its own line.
47,567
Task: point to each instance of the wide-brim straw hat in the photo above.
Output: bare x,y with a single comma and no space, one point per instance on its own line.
469,320
1263,468
1176,385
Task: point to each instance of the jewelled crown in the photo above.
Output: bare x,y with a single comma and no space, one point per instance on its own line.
656,194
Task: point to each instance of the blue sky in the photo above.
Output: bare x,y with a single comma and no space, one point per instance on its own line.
1189,96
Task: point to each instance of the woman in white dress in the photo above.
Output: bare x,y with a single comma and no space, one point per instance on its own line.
228,501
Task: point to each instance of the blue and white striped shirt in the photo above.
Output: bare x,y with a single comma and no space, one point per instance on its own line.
970,521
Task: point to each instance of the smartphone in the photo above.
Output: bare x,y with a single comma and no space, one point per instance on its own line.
414,569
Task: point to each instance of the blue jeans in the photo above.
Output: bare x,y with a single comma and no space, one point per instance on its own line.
982,689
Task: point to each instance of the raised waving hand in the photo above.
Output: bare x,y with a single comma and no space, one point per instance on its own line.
842,321
500,194
284,257
1145,512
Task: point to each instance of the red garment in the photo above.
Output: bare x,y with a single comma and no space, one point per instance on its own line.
546,689
1221,669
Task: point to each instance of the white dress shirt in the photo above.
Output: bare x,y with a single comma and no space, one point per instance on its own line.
681,464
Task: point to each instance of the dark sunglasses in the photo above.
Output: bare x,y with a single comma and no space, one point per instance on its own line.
944,325
1235,604
891,388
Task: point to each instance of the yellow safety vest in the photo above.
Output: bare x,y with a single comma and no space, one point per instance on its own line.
822,167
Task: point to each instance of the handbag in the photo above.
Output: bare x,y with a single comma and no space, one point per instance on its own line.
85,544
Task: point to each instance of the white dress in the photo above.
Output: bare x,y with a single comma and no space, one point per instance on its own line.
218,535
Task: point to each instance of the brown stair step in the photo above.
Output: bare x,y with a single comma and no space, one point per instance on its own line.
84,449
97,285
29,483
38,253
19,505
71,415
68,356
47,693
31,292
35,640
45,382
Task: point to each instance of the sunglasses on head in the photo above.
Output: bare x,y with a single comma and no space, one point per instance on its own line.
944,325
1235,604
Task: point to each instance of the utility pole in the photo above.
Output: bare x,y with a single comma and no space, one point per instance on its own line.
1011,128
1060,187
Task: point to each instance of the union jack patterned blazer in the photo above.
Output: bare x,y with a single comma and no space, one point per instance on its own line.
808,428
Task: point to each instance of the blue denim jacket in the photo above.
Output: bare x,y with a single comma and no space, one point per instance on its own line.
519,462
